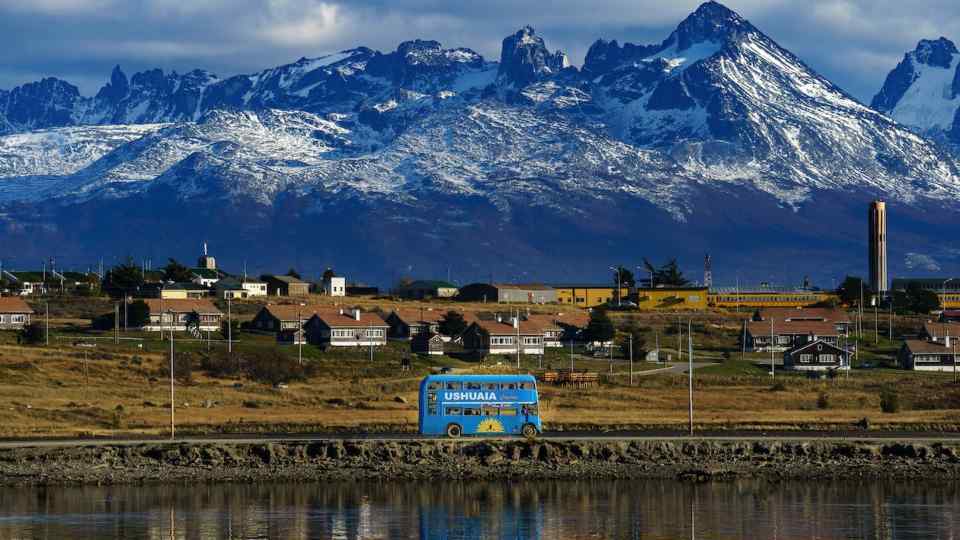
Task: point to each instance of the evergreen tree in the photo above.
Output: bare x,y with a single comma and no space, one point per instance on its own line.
600,328
625,275
328,274
125,277
293,273
138,314
176,272
849,291
452,324
668,275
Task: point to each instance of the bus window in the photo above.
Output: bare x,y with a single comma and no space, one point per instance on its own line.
532,409
471,411
473,386
432,410
453,386
491,411
491,386
432,396
527,386
434,385
508,411
510,386
453,411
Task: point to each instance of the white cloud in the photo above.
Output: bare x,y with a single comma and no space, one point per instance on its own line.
919,261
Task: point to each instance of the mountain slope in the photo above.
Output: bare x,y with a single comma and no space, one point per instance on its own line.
713,136
923,91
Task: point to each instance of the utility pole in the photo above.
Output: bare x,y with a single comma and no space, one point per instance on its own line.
46,306
516,323
773,374
631,359
690,374
743,342
116,324
173,429
297,336
229,329
125,318
679,340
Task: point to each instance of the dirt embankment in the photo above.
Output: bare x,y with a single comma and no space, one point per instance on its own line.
487,459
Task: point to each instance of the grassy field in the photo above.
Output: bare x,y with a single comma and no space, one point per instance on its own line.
73,389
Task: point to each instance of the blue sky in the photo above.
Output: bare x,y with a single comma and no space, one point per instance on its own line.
855,43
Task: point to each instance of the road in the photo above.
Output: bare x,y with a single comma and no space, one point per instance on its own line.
733,436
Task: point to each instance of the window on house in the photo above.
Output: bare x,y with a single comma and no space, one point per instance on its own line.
828,358
806,358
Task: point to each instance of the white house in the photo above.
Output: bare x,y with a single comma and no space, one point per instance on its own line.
335,286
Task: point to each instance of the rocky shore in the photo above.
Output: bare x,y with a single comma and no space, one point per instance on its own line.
695,460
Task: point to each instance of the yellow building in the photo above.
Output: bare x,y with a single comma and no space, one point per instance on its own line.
587,295
950,300
672,298
768,298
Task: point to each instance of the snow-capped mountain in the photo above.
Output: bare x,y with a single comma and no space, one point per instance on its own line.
711,137
923,91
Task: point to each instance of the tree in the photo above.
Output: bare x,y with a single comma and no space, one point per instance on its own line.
600,328
138,314
328,274
452,324
293,273
625,275
849,290
668,275
32,334
176,272
915,299
125,277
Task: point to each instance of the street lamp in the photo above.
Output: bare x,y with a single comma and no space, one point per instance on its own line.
617,270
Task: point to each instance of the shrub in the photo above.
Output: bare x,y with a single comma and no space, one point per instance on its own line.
889,401
823,401
32,334
778,387
182,367
267,366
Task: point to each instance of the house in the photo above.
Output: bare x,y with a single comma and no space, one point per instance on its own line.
589,295
281,317
335,286
553,333
362,290
501,336
817,355
408,323
27,283
177,291
427,343
15,314
180,314
205,276
938,331
423,289
297,336
287,286
838,317
234,288
346,328
919,355
788,335
508,293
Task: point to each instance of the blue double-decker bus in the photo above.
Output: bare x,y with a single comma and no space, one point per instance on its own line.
455,405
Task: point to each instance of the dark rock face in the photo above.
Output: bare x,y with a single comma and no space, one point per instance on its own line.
524,58
937,53
710,22
48,103
895,86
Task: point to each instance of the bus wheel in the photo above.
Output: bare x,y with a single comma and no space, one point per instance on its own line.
454,431
529,431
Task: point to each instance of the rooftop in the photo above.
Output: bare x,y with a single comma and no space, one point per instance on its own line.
181,305
12,304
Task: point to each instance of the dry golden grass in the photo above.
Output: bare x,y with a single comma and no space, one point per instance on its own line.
47,392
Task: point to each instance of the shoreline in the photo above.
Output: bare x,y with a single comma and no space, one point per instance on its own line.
493,459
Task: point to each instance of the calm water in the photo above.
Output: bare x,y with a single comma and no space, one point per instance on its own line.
557,510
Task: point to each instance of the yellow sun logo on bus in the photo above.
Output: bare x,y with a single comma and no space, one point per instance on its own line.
490,425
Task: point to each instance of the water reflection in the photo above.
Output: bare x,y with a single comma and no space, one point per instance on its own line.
453,509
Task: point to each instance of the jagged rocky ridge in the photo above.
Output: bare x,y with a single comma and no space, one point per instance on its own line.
923,91
717,121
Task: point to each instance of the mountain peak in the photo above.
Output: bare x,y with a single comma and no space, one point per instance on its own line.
524,58
935,52
711,21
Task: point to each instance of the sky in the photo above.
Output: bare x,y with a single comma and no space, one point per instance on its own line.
855,43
